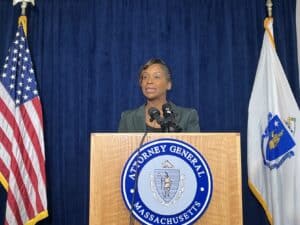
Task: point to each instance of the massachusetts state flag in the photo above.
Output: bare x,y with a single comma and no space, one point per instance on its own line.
22,156
273,138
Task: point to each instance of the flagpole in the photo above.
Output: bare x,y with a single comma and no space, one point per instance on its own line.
269,5
23,5
23,19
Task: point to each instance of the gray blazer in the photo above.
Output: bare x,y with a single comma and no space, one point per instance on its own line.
134,120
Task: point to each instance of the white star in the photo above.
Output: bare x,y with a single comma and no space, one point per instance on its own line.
276,123
19,92
31,70
35,92
27,50
4,75
17,34
25,97
21,46
16,42
20,55
22,38
24,67
11,86
29,80
17,101
25,59
6,59
15,51
14,59
20,84
27,88
5,66
13,68
13,76
22,75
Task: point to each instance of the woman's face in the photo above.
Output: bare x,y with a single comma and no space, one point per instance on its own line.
154,82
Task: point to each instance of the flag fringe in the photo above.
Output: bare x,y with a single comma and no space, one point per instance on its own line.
266,26
37,218
4,182
22,21
261,201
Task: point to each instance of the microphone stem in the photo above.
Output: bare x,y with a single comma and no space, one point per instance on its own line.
131,218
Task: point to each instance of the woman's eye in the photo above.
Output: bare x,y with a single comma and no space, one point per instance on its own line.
157,76
144,77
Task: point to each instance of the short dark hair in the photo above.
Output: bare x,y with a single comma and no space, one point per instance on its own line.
156,61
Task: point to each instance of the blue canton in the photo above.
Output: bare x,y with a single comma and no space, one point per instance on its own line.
18,74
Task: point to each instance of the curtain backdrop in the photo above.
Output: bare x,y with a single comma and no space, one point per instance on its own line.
87,54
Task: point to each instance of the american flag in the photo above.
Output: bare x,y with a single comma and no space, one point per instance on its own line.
22,154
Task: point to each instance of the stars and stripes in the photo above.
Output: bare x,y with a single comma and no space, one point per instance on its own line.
22,156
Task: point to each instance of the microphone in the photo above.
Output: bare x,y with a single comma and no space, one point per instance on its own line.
169,123
167,110
155,115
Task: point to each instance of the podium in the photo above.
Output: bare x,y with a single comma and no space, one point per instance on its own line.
110,151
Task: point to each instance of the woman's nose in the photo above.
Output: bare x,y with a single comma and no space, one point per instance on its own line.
150,80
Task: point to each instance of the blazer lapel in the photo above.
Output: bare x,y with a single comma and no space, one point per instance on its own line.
177,114
139,121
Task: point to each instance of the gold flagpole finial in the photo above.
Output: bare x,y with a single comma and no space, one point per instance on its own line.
269,5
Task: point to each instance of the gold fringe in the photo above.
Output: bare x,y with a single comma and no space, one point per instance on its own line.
23,21
266,26
37,218
261,200
3,181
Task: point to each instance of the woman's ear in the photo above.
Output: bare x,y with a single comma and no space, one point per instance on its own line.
169,86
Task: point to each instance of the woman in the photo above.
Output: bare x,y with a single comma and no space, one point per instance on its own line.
155,81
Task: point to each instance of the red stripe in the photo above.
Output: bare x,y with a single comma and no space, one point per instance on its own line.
36,144
38,108
34,139
14,207
16,172
5,142
27,162
4,170
6,223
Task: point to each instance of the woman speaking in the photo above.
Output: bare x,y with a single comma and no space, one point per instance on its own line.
158,114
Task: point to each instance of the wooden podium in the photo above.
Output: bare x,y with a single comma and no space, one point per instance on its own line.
110,151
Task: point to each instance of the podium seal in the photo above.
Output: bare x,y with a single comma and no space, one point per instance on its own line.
166,181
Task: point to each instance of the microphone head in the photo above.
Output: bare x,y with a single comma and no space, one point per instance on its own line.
167,109
154,114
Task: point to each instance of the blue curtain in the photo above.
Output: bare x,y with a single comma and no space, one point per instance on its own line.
87,54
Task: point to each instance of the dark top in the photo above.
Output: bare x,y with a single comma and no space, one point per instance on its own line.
134,120
152,129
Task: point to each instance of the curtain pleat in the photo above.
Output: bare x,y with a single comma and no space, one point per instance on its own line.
87,54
